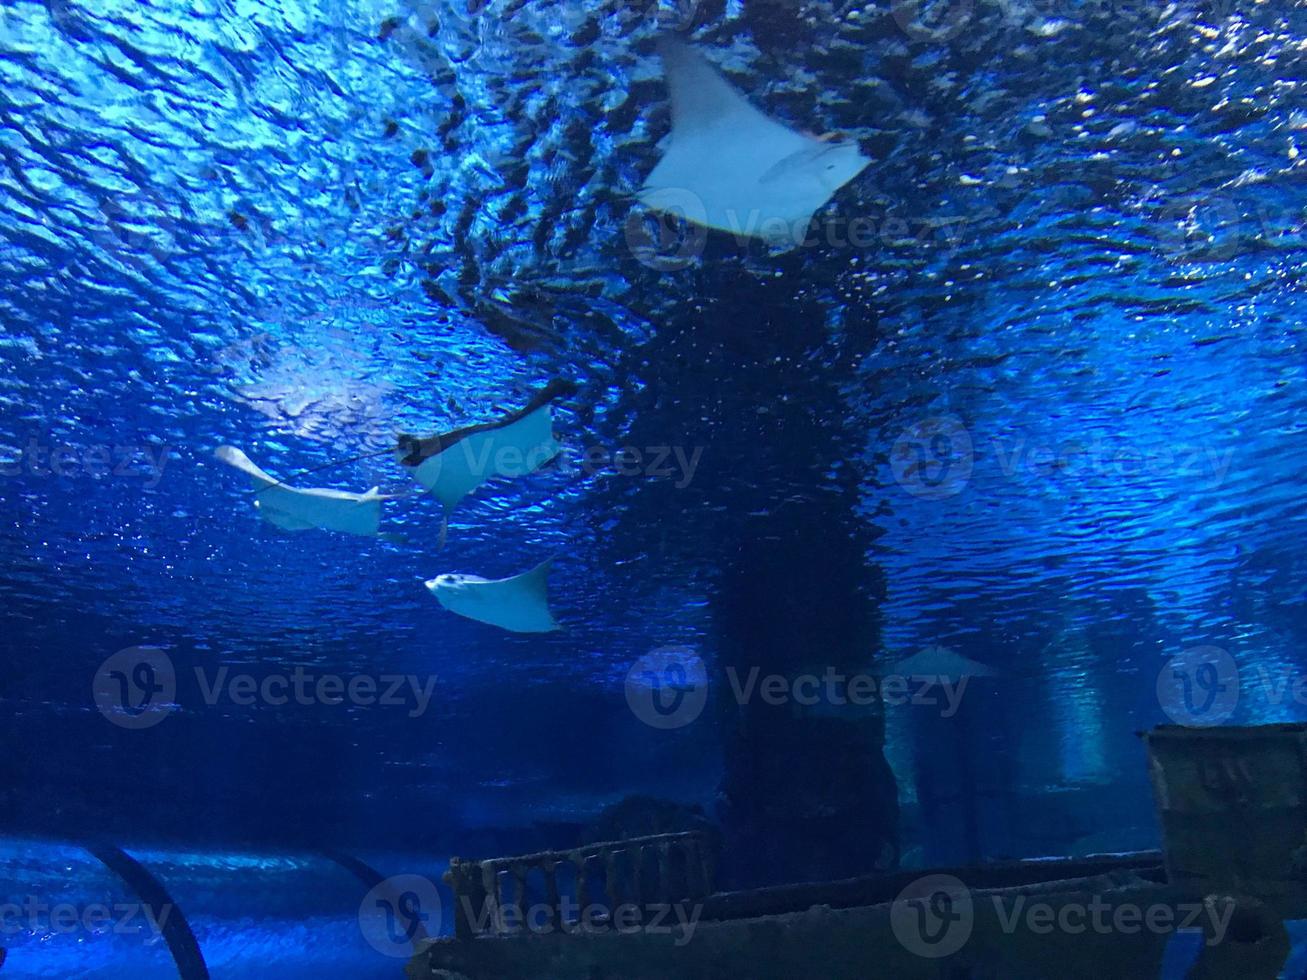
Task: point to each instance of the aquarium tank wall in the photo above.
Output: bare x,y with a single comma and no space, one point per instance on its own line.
435,429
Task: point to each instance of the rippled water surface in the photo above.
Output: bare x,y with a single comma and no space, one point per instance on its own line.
1061,312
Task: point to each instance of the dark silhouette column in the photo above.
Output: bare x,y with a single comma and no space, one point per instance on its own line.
757,372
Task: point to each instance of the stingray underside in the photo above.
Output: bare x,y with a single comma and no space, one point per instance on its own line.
292,509
454,465
729,167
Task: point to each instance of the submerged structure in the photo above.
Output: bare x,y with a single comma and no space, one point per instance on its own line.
1214,903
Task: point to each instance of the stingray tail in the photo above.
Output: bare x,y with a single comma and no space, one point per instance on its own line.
338,462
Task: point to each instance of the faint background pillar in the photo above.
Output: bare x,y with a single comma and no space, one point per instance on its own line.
760,373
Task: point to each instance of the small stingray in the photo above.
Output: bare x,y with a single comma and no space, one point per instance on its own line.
728,166
519,604
453,464
941,662
299,510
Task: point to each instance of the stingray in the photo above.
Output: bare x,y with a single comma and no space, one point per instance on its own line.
519,604
292,509
730,167
941,662
453,464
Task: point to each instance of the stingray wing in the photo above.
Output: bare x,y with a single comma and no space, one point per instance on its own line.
721,149
453,464
521,603
282,519
235,458
514,449
331,510
706,108
292,509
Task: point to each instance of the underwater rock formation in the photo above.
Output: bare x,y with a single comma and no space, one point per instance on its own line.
645,816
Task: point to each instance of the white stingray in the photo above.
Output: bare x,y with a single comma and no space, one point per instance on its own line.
454,464
728,166
299,510
519,604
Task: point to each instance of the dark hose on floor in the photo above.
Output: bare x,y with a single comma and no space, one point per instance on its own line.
176,930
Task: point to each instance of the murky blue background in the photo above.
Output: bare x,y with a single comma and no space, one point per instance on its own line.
1066,345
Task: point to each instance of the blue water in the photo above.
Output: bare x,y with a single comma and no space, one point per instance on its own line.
252,913
1047,415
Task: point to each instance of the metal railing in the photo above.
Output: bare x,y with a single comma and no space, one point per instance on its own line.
640,874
